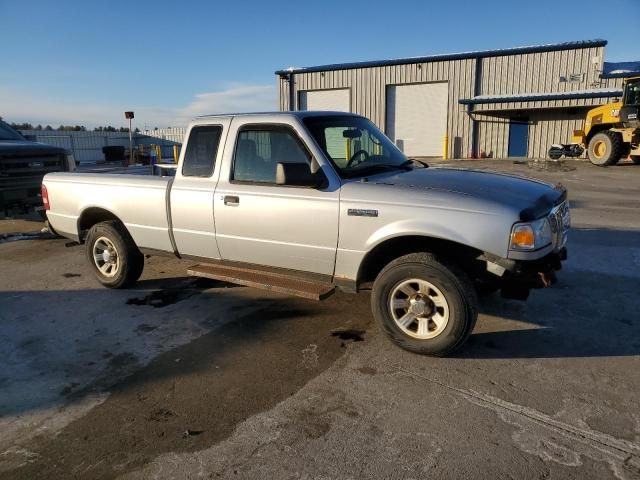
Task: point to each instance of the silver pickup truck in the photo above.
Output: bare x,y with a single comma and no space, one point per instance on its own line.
306,202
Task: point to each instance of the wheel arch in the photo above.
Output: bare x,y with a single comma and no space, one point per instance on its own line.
390,249
93,215
595,130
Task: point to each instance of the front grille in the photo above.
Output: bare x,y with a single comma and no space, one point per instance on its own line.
21,176
17,166
560,222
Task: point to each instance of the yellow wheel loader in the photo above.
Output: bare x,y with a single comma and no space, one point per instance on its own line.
612,131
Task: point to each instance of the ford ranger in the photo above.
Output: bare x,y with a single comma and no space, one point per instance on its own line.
307,202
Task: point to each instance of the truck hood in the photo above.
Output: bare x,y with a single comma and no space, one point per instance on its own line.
531,197
25,147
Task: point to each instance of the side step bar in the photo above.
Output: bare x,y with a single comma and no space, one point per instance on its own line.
265,280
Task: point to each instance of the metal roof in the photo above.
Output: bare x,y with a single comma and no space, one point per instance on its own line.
620,69
533,97
552,47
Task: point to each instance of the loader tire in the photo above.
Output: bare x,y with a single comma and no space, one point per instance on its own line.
605,148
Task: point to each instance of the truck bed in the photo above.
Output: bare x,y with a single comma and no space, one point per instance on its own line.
140,202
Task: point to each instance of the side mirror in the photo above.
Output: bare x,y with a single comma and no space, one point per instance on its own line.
298,174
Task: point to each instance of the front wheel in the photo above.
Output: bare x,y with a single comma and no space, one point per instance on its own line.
113,255
605,148
424,305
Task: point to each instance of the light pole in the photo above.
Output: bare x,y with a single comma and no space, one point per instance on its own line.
129,116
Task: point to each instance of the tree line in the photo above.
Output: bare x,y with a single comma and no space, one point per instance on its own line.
68,128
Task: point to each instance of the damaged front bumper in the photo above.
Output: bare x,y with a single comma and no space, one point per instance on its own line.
517,277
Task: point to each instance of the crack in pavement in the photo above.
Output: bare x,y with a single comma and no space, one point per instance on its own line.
535,434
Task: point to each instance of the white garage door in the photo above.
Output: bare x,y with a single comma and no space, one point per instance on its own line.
336,100
417,117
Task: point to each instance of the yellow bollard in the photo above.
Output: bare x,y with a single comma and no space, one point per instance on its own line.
176,153
445,146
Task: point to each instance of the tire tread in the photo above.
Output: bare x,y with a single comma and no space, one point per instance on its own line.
462,283
617,147
132,260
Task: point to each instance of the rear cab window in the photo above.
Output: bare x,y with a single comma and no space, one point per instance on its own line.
202,149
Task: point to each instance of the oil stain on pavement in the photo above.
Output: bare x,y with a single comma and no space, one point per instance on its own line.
192,397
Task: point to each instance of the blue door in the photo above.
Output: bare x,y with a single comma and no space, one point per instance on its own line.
518,137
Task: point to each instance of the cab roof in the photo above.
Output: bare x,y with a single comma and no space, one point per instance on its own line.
298,114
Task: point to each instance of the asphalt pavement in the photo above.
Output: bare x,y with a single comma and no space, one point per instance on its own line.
187,378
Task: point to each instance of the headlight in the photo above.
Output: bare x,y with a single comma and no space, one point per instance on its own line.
531,235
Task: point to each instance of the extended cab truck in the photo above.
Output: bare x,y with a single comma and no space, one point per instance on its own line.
304,202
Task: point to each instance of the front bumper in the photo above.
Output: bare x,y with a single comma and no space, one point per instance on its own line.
525,275
22,191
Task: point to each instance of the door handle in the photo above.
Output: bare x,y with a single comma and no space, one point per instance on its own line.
231,200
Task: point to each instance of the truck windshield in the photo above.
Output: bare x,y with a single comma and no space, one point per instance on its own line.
355,146
8,133
632,95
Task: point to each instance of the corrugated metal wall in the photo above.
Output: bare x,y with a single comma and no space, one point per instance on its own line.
87,146
541,72
538,72
493,136
549,127
368,91
546,127
612,82
172,134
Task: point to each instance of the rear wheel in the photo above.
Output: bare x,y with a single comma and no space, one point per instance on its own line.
605,148
635,159
424,305
113,255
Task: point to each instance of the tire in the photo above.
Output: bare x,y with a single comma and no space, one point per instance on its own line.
635,159
446,294
605,148
122,264
555,155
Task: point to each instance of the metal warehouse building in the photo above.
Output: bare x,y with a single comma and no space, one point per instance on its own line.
513,102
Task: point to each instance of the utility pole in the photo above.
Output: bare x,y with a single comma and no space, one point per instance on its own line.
129,116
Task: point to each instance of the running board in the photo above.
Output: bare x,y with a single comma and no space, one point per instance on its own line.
264,280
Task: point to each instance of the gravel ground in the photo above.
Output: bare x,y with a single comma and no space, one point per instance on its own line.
183,378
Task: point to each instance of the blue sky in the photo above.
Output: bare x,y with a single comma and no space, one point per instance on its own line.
86,62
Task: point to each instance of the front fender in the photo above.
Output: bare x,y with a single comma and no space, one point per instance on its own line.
487,232
415,227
